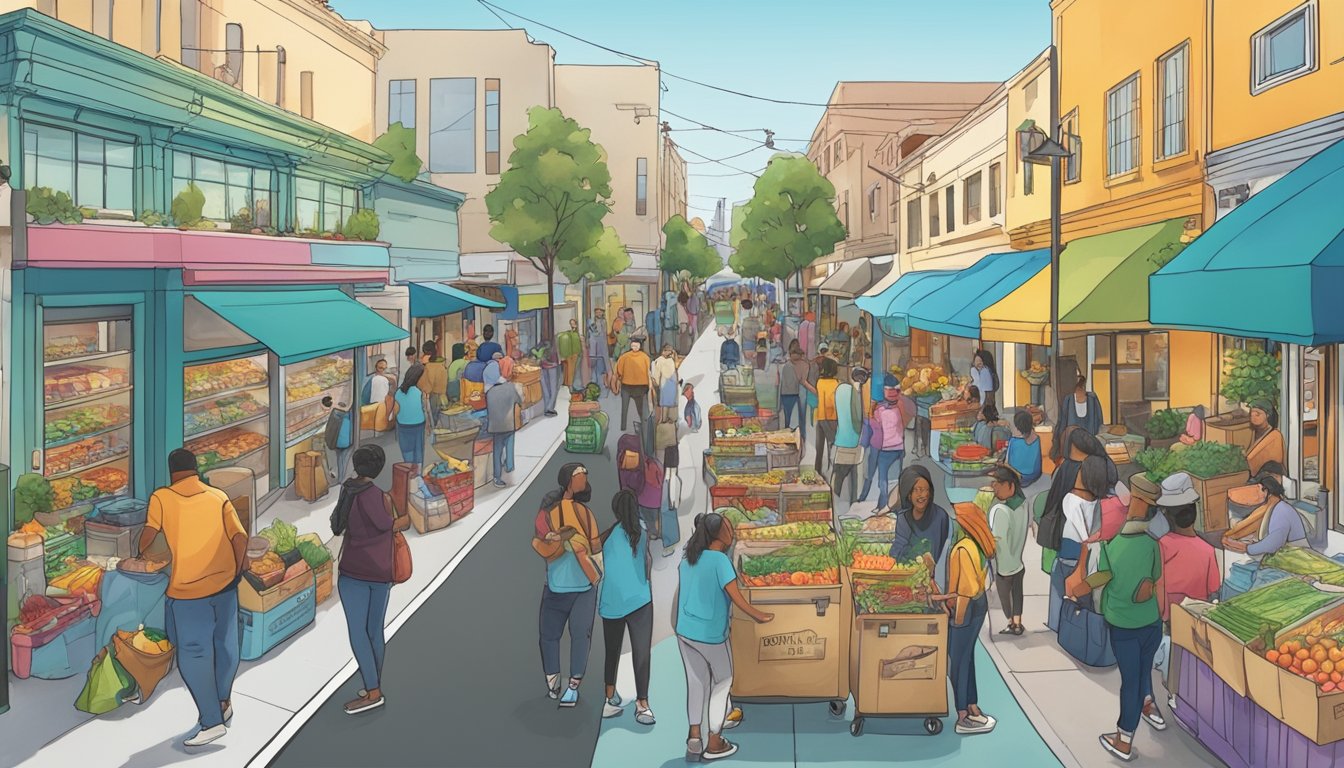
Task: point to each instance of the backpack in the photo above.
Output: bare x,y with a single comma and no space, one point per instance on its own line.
653,474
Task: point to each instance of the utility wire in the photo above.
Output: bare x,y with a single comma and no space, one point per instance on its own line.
721,159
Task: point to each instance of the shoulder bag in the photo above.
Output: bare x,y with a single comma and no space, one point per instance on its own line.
401,557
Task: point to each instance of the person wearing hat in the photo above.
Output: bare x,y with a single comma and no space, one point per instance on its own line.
1008,520
1128,570
1280,523
1267,442
887,439
1189,563
967,566
1176,490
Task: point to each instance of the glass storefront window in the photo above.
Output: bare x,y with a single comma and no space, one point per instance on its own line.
230,189
226,424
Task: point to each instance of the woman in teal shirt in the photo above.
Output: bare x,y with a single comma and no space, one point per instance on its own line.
707,585
626,604
409,411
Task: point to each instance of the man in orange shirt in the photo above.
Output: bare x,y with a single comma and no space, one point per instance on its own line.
208,547
632,375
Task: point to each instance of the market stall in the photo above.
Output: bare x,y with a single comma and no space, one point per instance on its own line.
226,414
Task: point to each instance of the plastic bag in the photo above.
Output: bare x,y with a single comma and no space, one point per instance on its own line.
108,682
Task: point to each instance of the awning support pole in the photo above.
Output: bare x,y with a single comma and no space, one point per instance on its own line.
1056,189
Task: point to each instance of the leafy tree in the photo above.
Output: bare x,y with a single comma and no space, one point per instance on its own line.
399,142
605,260
687,250
789,222
549,205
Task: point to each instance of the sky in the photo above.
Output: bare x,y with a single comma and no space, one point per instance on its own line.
782,49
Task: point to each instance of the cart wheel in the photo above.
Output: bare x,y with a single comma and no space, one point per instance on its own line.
933,725
838,708
856,727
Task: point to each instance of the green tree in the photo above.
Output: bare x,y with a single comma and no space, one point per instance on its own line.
687,250
549,205
605,260
789,222
399,142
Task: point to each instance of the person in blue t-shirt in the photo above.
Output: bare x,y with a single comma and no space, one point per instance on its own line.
707,585
626,604
1024,449
486,352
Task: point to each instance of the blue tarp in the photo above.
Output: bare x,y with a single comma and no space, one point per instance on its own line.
435,299
891,307
1272,268
954,307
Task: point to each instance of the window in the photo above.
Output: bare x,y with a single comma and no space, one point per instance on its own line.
972,197
322,206
873,205
401,103
642,186
233,58
97,173
190,11
950,196
1073,164
452,125
228,187
995,188
913,223
1173,102
1122,127
1284,50
839,156
306,94
281,59
933,215
492,126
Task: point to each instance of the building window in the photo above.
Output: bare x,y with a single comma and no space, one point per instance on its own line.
306,94
873,203
190,11
1122,127
642,186
322,206
1284,50
158,26
1073,164
401,103
1173,102
97,173
492,126
839,156
452,125
281,59
913,224
972,197
233,56
933,215
995,188
229,188
950,197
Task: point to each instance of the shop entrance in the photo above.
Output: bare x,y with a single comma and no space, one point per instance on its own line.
1317,425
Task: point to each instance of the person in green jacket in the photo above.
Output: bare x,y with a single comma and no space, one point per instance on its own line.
1128,571
569,346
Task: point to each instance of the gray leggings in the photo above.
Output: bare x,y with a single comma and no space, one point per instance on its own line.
709,678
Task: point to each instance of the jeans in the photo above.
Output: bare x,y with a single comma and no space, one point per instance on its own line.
886,461
1134,651
502,452
365,606
598,365
961,653
826,429
670,527
870,458
435,408
787,405
549,386
640,626
709,680
1010,593
411,439
640,394
577,610
205,633
1060,572
337,469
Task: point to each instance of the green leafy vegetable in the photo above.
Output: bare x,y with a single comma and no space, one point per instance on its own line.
32,496
1269,608
1166,424
282,535
313,554
1203,460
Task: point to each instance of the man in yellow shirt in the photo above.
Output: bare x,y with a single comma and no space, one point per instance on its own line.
826,418
632,375
208,547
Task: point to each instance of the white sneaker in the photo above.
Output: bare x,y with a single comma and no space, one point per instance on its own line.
206,736
610,710
969,726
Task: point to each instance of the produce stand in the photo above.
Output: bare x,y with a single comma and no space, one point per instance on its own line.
277,595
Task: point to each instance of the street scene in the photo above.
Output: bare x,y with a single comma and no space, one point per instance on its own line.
600,384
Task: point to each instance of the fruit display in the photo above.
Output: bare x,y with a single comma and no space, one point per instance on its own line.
742,518
200,381
787,531
1204,459
95,484
878,528
316,377
773,478
953,439
84,420
82,578
226,410
69,383
66,347
1304,561
92,450
796,565
922,380
1269,609
719,410
224,446
267,564
908,594
810,477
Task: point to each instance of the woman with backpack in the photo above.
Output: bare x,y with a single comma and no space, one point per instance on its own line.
625,603
643,476
364,516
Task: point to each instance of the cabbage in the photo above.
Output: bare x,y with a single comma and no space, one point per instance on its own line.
282,535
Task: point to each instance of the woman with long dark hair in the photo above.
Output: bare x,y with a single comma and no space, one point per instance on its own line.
985,375
625,604
409,408
707,585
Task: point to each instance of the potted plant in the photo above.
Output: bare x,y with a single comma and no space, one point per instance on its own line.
1163,429
1247,375
48,206
1214,469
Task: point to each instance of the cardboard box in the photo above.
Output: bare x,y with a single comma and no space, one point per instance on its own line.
1225,654
1213,493
898,664
1291,698
429,513
803,653
250,599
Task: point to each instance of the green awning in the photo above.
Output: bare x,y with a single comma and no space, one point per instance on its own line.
301,325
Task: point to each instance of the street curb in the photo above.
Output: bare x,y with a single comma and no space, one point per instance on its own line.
1034,715
273,746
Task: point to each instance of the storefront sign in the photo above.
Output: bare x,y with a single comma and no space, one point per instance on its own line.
803,645
487,292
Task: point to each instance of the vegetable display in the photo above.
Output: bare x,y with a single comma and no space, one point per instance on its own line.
1306,562
32,495
786,531
282,535
1166,424
796,565
742,518
313,554
1203,460
907,593
1269,609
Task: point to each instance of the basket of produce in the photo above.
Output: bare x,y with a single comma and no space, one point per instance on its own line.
80,578
1304,561
1269,609
893,593
453,478
800,564
265,572
877,528
318,558
923,381
743,518
721,419
762,483
283,536
785,532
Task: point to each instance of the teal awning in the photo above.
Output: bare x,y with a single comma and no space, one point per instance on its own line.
954,307
891,306
435,299
1272,268
300,325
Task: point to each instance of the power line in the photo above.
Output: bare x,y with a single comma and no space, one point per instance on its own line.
725,175
721,159
719,162
502,20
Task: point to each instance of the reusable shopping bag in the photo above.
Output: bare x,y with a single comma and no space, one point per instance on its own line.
107,683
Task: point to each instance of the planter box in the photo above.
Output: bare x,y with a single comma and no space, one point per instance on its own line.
1232,429
1213,492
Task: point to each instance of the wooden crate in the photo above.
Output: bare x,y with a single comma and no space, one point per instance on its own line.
323,574
1213,492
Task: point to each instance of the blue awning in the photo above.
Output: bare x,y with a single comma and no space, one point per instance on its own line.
301,325
954,307
891,305
1272,268
434,299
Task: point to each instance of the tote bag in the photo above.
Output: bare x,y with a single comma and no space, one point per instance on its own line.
1083,633
401,559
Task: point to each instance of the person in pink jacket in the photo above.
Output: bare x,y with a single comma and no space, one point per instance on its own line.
887,426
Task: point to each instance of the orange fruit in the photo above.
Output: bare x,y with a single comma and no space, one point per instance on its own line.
1285,660
1312,639
1319,655
1327,666
1294,645
1329,687
1336,655
1272,656
1336,677
1321,677
1302,654
1309,666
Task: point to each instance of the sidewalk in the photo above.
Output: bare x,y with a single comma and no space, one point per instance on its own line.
267,692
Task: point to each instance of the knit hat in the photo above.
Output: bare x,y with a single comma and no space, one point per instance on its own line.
972,520
1177,491
1142,487
891,382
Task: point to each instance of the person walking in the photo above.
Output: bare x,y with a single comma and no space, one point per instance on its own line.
813,376
338,434
849,428
887,440
1082,519
625,603
209,552
669,524
409,409
730,352
1128,570
706,590
807,331
597,347
550,380
663,379
967,570
412,360
434,382
567,538
455,371
692,412
365,518
503,399
377,387
569,346
1082,410
632,377
826,417
1008,521
793,384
